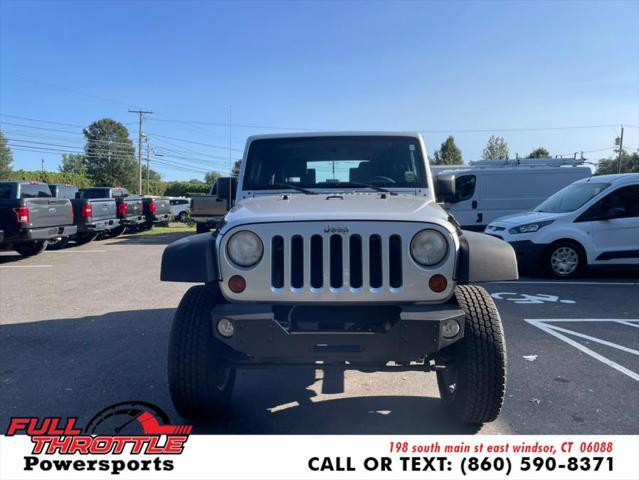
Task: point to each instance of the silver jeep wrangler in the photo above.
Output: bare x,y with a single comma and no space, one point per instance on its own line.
335,254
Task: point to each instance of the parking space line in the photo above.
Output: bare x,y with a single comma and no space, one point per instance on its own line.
75,251
594,339
25,266
552,330
524,282
623,322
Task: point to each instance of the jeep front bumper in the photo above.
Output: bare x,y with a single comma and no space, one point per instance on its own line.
260,338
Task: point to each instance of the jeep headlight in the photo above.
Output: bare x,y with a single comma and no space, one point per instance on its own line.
428,247
530,227
245,248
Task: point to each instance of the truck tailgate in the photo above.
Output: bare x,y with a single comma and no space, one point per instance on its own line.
208,206
134,207
103,209
49,212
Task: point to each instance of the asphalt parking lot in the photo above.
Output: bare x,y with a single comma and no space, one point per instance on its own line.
87,327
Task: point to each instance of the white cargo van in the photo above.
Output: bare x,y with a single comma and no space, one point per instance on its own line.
593,222
485,192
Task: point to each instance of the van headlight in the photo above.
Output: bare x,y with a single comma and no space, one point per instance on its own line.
428,247
245,248
530,227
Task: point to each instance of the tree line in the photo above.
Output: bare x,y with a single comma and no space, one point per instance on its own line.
109,159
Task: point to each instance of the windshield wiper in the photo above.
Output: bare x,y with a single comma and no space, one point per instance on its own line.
293,187
360,185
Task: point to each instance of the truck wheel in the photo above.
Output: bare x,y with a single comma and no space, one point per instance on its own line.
183,217
473,384
83,238
116,232
201,379
565,259
29,249
58,244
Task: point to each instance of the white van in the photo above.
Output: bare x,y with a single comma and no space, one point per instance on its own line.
484,194
592,222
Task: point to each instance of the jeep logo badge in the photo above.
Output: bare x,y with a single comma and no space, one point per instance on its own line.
335,229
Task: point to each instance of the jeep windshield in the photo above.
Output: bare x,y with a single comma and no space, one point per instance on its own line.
571,197
342,162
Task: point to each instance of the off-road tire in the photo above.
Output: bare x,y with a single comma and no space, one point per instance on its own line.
556,247
84,238
183,217
58,245
201,377
478,359
29,249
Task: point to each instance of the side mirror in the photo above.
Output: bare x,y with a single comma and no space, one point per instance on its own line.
445,189
226,188
615,212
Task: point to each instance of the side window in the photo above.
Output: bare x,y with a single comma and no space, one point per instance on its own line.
465,187
626,198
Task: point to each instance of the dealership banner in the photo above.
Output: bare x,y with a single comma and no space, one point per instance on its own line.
62,452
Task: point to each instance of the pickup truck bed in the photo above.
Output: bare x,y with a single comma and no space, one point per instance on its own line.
156,210
129,209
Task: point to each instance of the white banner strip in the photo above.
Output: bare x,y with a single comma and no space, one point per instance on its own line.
343,457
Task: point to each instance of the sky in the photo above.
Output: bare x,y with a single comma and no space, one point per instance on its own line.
521,70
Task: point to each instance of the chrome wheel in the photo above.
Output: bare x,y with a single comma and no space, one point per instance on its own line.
564,261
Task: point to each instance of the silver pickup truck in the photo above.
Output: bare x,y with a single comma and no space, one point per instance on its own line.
208,210
336,255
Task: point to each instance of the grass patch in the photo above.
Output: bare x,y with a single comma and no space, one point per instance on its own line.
172,228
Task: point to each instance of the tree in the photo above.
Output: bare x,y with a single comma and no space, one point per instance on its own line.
540,152
73,163
448,153
6,157
235,172
186,189
211,177
109,154
496,149
629,164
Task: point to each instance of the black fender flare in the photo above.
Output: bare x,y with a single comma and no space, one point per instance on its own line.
190,259
483,258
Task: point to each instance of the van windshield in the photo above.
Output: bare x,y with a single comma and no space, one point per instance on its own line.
335,162
571,198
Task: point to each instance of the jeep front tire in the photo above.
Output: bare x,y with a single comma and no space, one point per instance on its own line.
201,377
473,383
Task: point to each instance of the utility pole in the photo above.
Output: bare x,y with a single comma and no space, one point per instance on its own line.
620,151
148,147
141,113
42,164
230,157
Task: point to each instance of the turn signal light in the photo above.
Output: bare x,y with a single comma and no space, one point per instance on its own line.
122,209
237,284
152,207
437,283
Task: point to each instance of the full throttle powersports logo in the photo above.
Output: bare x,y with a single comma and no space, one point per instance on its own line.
126,428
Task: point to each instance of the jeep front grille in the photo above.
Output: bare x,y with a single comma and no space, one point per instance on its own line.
337,261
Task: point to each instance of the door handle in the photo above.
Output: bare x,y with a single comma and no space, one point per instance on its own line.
474,204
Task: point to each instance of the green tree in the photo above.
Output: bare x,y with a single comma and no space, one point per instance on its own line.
540,152
448,153
79,181
155,183
211,177
186,189
110,156
629,164
6,157
73,163
235,172
496,149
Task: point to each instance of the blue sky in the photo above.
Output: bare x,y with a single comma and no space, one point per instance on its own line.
436,67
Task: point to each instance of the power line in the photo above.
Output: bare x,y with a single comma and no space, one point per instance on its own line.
194,143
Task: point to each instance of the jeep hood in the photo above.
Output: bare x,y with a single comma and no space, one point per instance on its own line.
337,207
